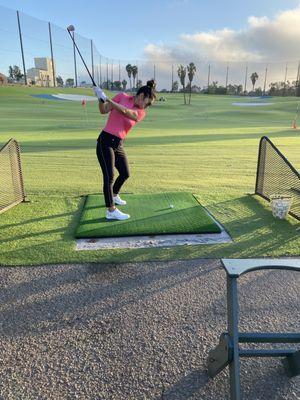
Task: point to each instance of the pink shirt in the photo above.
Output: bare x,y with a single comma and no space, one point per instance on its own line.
119,125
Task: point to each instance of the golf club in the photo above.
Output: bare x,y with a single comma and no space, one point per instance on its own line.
70,29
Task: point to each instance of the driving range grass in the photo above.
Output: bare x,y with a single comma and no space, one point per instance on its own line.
208,148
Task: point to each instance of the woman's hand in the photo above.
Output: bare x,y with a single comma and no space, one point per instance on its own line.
100,94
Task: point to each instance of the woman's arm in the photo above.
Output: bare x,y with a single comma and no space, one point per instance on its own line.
106,105
127,112
104,108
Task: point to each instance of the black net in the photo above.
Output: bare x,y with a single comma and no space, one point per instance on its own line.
11,181
277,176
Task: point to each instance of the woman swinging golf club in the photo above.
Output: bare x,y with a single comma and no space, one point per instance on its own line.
124,112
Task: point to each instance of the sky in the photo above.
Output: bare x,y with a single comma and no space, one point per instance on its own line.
181,31
121,29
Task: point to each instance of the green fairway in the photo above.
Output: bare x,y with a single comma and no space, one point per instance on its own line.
151,214
208,148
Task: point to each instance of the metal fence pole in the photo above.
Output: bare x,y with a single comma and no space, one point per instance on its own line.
92,56
208,78
226,84
112,75
107,73
52,58
100,67
266,73
297,89
284,87
246,73
98,75
22,50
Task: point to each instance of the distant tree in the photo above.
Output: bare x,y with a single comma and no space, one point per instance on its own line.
59,81
134,71
234,89
139,84
196,89
175,86
11,72
191,69
106,85
117,85
286,88
15,73
239,89
129,73
258,91
124,84
254,78
182,74
70,82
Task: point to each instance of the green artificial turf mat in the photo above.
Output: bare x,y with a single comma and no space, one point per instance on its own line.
151,214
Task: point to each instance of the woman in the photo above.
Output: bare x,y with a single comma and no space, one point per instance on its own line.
125,111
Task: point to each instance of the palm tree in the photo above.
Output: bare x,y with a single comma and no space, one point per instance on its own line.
124,83
254,78
181,74
134,71
129,72
191,69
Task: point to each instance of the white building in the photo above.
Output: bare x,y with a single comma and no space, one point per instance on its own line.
42,74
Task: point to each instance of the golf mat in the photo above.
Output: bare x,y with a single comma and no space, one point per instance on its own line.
150,214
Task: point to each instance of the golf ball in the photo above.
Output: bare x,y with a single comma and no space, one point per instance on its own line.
171,206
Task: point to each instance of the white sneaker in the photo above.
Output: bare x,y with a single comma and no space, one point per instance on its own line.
116,214
119,201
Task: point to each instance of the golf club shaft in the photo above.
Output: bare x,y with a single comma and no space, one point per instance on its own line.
92,79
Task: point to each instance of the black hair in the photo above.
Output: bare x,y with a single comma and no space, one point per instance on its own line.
148,90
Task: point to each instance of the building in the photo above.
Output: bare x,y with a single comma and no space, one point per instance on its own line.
42,74
3,79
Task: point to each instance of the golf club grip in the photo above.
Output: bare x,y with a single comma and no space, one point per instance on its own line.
92,79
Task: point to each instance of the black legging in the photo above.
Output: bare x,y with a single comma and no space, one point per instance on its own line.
110,153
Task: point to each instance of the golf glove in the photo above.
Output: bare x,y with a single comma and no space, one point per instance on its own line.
100,94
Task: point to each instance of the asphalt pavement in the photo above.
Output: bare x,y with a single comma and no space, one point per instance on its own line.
136,331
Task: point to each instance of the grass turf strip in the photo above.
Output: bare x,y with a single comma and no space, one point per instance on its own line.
151,214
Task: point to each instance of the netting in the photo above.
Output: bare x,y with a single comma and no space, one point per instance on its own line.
277,176
48,60
11,180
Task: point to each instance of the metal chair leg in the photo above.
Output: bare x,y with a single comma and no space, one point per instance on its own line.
232,323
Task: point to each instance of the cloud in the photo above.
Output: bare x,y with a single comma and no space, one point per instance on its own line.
263,42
